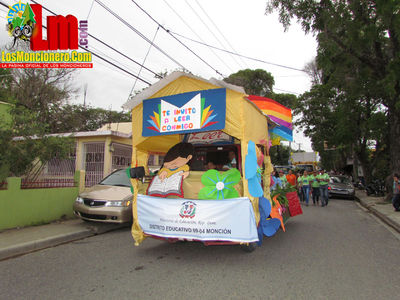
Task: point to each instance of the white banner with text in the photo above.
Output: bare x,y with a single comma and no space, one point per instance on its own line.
205,220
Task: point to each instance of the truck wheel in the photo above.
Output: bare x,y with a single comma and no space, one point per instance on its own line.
27,31
250,247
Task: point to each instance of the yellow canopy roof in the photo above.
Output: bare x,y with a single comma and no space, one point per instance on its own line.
244,120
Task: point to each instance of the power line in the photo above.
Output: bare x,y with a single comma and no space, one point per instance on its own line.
118,67
98,51
208,28
212,50
95,54
237,54
90,10
287,91
138,32
161,26
304,75
112,48
223,36
127,57
144,60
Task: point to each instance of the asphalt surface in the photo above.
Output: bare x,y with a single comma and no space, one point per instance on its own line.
337,252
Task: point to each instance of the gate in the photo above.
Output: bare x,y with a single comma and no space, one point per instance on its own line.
94,163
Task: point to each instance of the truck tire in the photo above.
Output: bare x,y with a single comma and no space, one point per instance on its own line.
250,247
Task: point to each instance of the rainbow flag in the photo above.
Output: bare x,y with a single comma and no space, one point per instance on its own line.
279,114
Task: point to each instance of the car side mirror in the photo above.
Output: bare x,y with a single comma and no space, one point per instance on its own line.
137,173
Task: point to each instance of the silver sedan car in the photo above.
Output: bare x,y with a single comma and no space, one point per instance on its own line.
108,201
340,186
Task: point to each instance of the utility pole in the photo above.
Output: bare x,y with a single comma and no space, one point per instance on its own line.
84,94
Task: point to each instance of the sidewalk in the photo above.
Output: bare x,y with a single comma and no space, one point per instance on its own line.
382,209
16,242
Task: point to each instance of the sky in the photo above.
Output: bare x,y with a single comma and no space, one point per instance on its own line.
235,25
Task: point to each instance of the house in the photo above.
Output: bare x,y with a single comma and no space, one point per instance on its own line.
97,153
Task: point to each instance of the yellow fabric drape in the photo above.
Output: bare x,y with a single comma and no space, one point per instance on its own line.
137,232
243,121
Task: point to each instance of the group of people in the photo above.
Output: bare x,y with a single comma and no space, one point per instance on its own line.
232,163
307,183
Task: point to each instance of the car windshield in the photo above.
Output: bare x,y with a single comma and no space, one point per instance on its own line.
340,179
118,178
308,168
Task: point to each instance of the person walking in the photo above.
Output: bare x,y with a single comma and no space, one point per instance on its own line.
283,179
396,192
305,184
291,178
314,188
323,187
276,179
299,187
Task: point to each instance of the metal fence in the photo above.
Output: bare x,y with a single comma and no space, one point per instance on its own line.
55,173
93,162
48,183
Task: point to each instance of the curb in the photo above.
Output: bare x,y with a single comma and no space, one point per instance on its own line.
388,221
48,242
24,248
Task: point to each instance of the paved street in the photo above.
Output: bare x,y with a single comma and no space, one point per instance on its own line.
338,252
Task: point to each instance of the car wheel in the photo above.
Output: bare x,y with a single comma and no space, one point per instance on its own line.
250,247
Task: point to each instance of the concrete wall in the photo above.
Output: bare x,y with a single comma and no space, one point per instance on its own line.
26,207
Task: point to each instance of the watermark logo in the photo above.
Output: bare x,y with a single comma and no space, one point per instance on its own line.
24,22
21,21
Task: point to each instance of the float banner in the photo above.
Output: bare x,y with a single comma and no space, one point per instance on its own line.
184,113
205,220
217,137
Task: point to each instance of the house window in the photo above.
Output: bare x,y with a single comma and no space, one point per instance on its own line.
121,156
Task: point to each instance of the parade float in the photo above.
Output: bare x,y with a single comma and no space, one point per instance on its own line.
214,183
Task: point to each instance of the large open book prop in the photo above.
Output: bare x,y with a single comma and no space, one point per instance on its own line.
171,186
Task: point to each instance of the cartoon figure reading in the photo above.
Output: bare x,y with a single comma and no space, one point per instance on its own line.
175,168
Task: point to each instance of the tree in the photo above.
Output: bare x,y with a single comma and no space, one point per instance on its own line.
280,155
43,92
25,147
255,82
358,52
260,82
288,100
346,126
36,98
74,118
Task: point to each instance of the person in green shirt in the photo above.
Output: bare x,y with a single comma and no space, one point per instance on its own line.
314,188
282,177
299,188
323,179
305,185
